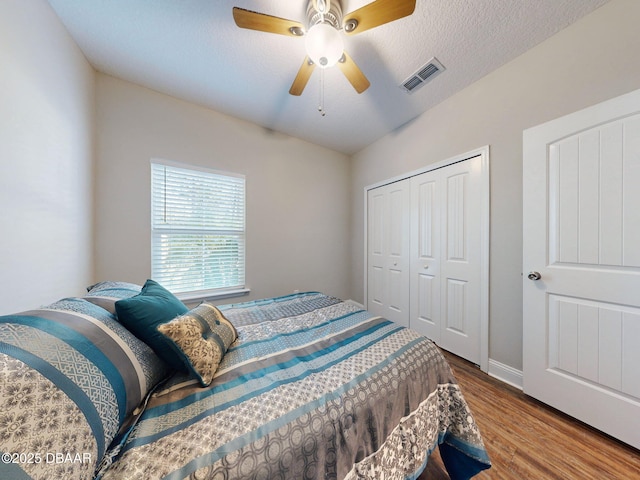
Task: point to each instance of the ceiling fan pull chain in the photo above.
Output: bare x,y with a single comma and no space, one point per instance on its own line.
321,105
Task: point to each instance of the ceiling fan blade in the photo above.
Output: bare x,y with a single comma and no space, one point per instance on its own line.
377,13
353,73
266,23
302,77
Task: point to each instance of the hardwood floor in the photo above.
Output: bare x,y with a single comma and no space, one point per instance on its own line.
529,440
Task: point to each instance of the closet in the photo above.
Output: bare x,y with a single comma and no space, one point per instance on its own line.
427,253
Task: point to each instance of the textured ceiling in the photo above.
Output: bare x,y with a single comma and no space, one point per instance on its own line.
192,49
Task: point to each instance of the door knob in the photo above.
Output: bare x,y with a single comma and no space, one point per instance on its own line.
534,276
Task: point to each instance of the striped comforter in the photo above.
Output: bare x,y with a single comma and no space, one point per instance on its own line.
313,388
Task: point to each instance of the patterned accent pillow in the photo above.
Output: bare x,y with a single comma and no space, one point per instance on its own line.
202,336
106,294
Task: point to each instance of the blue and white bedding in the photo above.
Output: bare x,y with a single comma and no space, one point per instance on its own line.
312,388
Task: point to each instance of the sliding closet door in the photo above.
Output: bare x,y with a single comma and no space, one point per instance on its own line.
446,256
388,251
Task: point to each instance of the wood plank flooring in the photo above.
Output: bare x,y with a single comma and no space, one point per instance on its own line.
529,440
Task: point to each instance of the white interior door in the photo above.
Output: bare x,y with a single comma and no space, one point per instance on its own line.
446,256
388,251
581,304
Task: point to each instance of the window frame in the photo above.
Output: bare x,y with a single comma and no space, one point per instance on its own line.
212,293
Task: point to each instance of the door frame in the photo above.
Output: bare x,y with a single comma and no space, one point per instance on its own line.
485,224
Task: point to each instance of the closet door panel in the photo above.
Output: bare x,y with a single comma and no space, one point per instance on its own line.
460,266
425,255
388,251
375,252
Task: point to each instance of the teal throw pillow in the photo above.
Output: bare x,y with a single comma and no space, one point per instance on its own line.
143,313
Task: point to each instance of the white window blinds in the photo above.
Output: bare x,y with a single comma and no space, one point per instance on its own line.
197,229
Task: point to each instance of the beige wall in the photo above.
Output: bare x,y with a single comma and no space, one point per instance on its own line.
300,234
595,59
297,193
46,157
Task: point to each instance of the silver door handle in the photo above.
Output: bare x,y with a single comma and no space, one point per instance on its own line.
534,276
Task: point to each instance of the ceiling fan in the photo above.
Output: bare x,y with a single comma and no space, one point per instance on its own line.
323,39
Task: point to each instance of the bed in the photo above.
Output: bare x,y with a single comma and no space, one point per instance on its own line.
310,387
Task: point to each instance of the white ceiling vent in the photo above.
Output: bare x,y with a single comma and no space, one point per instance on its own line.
422,76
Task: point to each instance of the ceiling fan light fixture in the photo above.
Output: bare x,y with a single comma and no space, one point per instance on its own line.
324,45
323,40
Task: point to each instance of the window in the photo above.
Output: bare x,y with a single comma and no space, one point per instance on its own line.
197,229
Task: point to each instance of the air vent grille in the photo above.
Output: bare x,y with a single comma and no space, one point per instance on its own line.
422,75
412,83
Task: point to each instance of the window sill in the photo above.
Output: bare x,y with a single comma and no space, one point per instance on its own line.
197,297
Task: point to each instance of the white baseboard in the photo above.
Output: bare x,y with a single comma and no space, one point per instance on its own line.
505,373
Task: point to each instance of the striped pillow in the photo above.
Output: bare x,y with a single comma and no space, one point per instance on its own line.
70,375
106,294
